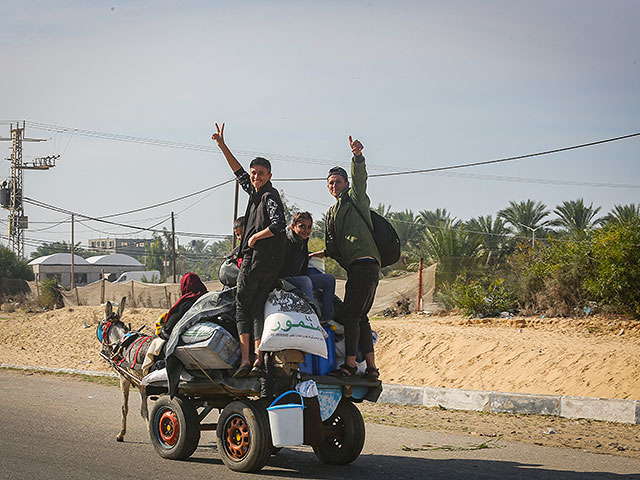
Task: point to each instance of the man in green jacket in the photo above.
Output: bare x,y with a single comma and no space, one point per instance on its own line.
350,241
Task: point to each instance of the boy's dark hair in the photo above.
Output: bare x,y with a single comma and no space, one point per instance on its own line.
301,216
339,171
263,162
238,222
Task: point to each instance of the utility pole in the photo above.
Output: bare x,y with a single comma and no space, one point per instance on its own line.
173,247
11,194
73,251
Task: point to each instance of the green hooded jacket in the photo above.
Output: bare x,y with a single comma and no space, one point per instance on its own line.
353,237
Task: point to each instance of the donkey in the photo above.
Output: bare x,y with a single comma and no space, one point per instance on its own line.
127,350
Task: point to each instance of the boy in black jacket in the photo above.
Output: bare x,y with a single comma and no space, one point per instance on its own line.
261,250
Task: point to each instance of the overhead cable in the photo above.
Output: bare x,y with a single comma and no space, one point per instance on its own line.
476,164
213,148
40,204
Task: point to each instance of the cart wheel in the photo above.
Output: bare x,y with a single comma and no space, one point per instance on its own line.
174,427
344,435
244,437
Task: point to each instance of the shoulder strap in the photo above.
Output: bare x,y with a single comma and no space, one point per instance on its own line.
361,216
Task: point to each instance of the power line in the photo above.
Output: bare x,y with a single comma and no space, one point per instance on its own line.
475,164
541,181
300,159
40,204
135,210
213,187
210,148
164,219
46,228
169,143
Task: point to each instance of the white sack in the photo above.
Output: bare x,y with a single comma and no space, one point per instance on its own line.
290,323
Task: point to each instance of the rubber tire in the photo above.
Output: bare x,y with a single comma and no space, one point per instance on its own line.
188,425
255,431
345,435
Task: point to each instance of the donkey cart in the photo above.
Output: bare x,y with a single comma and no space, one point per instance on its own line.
250,424
332,425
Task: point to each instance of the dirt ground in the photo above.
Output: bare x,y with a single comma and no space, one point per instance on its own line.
595,357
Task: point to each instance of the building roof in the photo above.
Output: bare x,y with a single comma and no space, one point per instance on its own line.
59,259
114,259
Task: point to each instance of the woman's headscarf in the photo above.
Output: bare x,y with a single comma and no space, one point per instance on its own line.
190,287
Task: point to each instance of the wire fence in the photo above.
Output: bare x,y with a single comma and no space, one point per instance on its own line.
163,295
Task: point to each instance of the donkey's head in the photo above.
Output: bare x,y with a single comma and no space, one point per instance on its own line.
111,328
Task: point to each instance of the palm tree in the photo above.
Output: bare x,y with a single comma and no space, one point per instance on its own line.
525,217
197,246
61,247
438,217
495,235
624,214
408,227
451,247
576,218
383,210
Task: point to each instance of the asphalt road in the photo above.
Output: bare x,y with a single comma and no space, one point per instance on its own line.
59,428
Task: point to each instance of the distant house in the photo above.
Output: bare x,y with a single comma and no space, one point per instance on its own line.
58,266
134,247
115,265
86,271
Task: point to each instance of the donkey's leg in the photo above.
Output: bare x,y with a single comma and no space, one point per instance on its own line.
124,387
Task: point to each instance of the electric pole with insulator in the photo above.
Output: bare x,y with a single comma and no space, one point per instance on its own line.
11,191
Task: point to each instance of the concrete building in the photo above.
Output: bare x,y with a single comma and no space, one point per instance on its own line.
134,247
58,266
115,265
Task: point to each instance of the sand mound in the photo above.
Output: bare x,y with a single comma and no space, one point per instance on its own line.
587,357
595,357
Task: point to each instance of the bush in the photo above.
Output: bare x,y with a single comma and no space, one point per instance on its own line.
445,297
477,300
615,278
13,267
550,278
50,296
13,288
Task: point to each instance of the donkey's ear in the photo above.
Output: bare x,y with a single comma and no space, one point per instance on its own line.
108,309
121,307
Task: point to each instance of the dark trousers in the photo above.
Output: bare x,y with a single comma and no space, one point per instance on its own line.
253,288
360,291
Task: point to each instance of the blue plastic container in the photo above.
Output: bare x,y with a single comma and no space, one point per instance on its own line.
307,365
322,366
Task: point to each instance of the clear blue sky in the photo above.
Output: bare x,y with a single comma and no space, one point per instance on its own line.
421,84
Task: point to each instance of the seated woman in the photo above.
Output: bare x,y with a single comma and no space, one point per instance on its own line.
296,261
191,289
